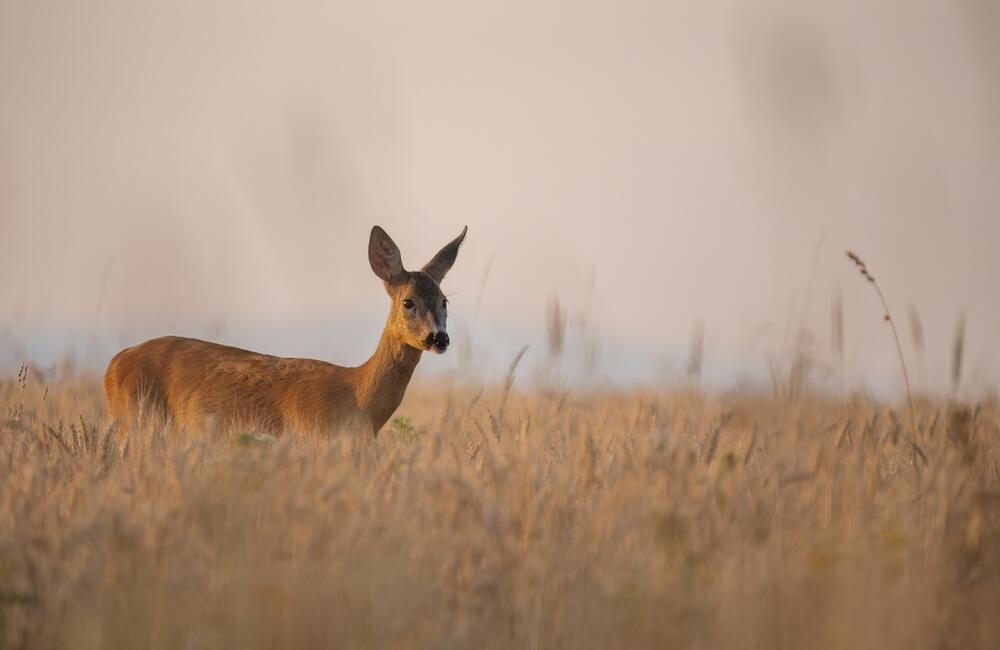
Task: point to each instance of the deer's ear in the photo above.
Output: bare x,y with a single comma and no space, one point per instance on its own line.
438,267
383,255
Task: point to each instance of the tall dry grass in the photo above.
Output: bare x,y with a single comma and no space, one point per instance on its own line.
606,520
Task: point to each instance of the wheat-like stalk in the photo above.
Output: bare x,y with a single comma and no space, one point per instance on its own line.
863,268
837,334
957,354
919,342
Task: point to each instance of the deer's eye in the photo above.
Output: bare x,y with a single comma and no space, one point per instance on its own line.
408,303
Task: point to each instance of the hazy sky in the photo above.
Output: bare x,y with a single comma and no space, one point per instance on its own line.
214,168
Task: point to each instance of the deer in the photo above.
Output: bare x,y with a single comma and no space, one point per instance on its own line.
199,386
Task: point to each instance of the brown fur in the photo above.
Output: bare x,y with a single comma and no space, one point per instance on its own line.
200,386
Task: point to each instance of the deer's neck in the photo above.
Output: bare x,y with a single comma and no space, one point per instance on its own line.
382,380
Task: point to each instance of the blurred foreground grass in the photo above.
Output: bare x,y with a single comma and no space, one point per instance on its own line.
549,520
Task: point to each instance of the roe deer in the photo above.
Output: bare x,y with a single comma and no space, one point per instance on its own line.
202,386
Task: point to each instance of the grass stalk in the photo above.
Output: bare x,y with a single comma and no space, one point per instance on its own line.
863,268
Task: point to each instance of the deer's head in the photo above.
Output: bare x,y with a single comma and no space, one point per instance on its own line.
419,311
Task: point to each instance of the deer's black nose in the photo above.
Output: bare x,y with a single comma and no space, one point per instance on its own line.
438,340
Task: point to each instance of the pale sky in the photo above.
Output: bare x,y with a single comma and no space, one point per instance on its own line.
213,169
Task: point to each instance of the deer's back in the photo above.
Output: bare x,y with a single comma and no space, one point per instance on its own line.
200,385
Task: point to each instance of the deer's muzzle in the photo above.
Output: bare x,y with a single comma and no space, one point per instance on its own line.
437,341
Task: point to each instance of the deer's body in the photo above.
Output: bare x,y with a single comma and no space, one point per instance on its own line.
206,387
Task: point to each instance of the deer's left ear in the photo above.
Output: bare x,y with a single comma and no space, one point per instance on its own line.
438,267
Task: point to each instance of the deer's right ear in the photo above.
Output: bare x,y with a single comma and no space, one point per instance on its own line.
383,255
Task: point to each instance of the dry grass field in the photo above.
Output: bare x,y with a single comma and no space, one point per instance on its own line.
482,520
